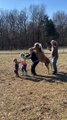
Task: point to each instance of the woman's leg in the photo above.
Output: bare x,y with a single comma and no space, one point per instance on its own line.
54,65
33,67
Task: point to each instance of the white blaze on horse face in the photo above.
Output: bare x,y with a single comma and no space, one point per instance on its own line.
37,44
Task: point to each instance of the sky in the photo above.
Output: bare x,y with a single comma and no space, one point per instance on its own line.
51,6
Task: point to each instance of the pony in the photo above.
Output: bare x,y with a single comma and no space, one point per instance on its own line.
41,56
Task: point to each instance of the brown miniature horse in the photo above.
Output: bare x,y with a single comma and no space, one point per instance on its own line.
41,56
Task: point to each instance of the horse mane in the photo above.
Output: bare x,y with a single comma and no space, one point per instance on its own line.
38,47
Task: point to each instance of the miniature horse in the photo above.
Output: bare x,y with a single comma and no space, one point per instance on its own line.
41,56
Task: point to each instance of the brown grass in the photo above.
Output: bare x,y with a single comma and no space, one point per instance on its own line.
33,98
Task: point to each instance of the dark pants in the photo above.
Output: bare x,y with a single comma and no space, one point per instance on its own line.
24,68
33,67
16,72
54,62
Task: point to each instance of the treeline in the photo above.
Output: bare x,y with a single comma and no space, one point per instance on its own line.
21,29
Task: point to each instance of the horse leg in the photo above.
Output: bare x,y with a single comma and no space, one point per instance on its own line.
47,66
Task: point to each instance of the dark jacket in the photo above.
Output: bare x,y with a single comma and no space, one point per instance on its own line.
33,57
55,52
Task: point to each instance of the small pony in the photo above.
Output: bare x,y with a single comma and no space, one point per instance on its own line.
41,56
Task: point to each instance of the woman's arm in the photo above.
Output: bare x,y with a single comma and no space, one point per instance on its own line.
28,56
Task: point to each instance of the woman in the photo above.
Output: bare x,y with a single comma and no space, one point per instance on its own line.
34,59
54,49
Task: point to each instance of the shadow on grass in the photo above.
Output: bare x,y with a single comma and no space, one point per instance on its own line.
61,77
34,78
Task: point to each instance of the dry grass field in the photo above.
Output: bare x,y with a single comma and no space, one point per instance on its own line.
42,97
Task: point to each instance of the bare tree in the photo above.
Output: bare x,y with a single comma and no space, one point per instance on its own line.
60,20
21,29
23,21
